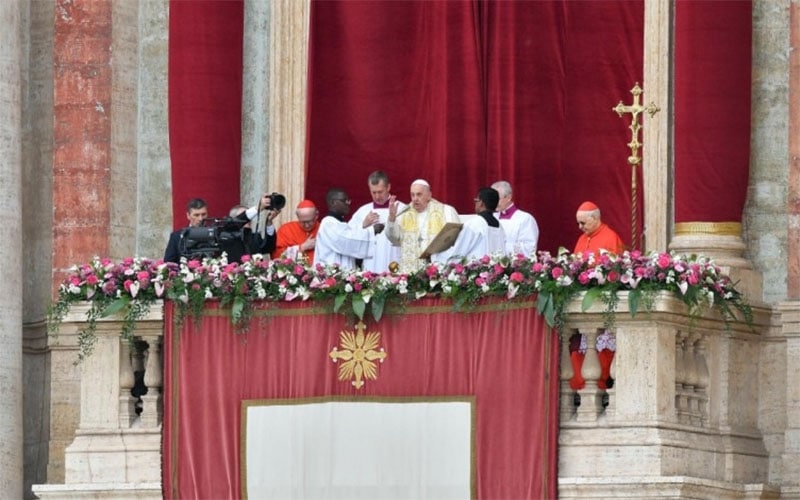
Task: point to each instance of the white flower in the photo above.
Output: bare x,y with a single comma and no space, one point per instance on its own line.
134,289
208,294
348,287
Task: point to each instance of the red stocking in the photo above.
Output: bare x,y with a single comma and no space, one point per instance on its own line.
577,381
606,356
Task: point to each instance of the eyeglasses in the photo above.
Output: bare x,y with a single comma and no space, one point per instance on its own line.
307,222
343,200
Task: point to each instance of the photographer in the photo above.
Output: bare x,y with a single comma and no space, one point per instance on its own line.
250,240
253,241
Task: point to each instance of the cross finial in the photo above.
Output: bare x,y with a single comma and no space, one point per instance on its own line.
635,109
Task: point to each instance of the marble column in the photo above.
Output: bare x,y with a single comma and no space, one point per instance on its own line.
793,196
11,453
82,133
274,100
657,170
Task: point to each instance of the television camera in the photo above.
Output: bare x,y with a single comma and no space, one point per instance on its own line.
212,238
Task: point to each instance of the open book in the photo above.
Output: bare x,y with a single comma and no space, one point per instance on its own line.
444,240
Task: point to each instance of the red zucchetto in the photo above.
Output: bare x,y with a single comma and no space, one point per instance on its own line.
306,204
587,206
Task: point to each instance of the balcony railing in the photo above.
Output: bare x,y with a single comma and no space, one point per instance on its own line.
681,415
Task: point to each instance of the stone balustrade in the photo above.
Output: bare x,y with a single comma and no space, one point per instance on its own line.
116,450
681,418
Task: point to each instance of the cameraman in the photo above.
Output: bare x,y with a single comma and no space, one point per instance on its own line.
254,241
196,213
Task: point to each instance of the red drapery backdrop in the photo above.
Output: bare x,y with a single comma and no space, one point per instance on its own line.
713,60
205,103
464,93
506,357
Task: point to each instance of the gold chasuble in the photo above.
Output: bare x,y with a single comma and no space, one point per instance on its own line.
415,230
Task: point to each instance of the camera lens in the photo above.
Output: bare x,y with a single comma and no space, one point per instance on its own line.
277,201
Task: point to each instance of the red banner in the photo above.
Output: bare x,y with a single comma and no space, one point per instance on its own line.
503,355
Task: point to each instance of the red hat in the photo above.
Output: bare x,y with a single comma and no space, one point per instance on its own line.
306,204
587,206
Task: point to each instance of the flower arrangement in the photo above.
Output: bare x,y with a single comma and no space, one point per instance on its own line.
131,286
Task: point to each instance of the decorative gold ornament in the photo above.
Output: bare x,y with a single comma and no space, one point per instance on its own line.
393,267
709,228
359,353
635,109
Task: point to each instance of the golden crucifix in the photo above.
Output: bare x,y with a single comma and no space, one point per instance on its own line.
635,109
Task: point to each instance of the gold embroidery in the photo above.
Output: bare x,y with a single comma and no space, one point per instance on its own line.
359,354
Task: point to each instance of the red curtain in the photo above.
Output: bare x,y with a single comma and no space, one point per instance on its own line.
464,93
712,109
506,357
205,103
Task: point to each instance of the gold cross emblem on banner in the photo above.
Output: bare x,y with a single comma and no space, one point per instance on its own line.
635,109
359,353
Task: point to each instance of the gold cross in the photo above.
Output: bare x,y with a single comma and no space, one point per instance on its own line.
359,354
635,109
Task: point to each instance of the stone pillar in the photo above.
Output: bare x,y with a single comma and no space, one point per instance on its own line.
657,170
275,96
11,474
152,145
790,318
82,134
793,196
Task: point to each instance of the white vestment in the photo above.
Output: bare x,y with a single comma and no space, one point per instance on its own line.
340,243
414,231
383,252
522,233
476,239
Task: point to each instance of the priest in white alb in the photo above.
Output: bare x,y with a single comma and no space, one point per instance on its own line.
377,212
413,229
337,241
522,232
480,235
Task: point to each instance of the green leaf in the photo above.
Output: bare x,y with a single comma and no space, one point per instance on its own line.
591,295
542,301
377,304
633,301
550,314
359,306
237,308
338,301
116,306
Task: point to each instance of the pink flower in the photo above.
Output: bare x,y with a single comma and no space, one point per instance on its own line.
663,260
584,278
612,276
556,272
537,267
516,277
91,280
